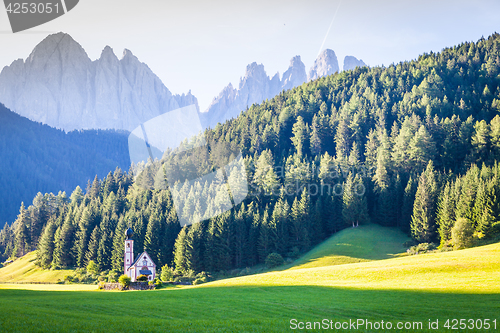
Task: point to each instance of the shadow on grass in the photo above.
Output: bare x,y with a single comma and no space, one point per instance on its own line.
230,309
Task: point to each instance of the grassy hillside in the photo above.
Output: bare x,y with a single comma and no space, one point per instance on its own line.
460,284
25,270
474,270
364,243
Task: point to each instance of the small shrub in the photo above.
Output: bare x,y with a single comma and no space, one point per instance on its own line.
100,285
421,248
274,260
142,278
167,273
124,280
245,271
190,274
462,234
200,280
183,279
93,268
68,278
158,283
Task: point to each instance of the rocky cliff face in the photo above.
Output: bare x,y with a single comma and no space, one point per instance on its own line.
351,62
60,86
326,64
254,87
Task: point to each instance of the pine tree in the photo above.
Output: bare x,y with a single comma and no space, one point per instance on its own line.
180,258
316,146
22,233
423,224
300,136
446,214
117,252
264,176
63,256
264,244
46,246
354,209
483,209
93,247
152,241
194,248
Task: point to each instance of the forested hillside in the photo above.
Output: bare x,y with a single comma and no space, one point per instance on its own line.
414,145
37,158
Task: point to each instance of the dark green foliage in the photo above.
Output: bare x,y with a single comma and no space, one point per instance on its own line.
423,224
274,260
37,158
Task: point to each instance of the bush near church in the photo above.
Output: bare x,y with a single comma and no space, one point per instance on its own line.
142,278
124,280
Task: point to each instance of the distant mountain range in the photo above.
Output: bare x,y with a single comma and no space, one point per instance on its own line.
255,87
59,85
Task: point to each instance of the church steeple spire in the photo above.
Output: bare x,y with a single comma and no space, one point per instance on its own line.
129,251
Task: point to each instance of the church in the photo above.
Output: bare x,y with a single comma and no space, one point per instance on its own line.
142,265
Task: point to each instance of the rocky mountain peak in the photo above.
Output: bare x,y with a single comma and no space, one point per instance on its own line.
60,44
326,64
295,75
351,62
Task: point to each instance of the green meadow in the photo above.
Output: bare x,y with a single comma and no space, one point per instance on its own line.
381,286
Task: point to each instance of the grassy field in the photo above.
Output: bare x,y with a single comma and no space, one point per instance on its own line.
351,245
462,284
25,270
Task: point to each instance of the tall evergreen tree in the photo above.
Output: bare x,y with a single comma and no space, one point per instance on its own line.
423,224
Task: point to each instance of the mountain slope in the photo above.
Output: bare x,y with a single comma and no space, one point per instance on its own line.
60,86
37,158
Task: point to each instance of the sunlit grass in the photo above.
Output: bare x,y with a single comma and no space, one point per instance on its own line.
351,245
25,270
459,284
474,270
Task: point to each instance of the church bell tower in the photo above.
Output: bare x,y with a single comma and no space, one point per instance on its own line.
129,251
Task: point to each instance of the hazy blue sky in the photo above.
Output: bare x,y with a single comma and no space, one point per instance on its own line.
204,45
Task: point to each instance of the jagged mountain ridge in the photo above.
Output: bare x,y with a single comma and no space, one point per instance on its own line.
59,85
255,86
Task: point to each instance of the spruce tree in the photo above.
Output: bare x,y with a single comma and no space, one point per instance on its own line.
22,233
446,214
423,224
63,256
46,246
180,258
354,209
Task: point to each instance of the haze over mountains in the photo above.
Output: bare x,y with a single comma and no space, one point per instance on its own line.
59,85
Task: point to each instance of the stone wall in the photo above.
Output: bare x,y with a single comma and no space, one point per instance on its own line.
133,286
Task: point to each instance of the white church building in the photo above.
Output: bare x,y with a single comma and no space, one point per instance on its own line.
141,265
